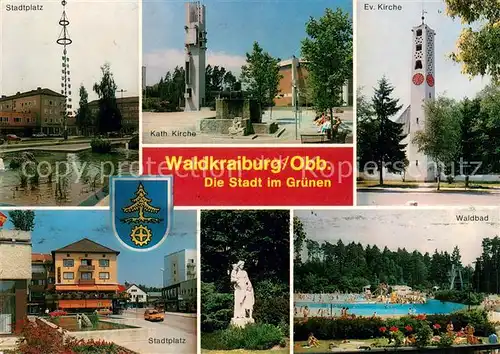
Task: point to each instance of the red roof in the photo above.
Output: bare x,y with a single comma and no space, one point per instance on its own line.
121,288
41,257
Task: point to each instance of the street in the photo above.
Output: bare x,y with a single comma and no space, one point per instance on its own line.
428,198
176,334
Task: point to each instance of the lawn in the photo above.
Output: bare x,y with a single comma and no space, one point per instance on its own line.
324,345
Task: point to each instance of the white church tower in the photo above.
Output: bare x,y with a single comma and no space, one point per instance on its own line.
420,167
196,47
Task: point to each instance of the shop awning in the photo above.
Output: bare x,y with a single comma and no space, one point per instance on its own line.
87,287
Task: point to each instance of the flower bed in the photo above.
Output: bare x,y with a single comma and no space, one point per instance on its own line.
376,327
40,338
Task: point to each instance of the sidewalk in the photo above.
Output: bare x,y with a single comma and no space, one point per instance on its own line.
7,343
190,315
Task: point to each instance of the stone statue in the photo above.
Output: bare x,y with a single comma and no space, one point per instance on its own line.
244,297
237,127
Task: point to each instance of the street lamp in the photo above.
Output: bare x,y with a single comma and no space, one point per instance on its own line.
294,94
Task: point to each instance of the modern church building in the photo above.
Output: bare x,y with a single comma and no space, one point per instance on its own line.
420,167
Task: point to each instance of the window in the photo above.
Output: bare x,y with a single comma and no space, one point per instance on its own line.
418,64
37,268
103,263
430,96
68,263
417,120
86,276
86,262
419,32
103,275
416,163
191,261
69,275
418,47
133,290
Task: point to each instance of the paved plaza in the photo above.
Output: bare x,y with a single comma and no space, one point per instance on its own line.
179,329
429,198
183,127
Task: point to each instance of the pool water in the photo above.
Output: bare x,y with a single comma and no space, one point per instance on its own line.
69,323
431,307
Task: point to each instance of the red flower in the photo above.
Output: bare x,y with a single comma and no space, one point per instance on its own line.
421,317
394,329
409,328
383,329
437,326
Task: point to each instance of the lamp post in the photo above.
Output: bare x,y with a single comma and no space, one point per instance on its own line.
294,94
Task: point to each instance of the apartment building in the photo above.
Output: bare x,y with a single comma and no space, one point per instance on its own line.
42,283
86,275
179,281
129,108
40,110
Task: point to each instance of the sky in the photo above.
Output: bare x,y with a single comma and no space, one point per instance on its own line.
56,229
102,31
384,47
232,27
419,229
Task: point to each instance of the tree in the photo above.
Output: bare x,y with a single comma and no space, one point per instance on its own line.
367,132
488,126
141,204
441,138
23,220
328,53
477,46
84,115
389,151
109,118
261,76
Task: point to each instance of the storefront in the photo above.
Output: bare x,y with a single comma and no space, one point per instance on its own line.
13,304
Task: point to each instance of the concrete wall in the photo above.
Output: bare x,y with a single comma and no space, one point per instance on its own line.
15,250
175,269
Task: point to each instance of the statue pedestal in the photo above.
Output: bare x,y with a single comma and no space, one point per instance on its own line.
241,322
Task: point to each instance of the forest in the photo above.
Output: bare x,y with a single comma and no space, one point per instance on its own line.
325,267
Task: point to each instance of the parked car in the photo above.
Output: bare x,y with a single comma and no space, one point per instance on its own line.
39,135
104,312
153,315
12,137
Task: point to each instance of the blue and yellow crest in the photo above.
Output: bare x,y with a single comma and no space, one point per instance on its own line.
141,210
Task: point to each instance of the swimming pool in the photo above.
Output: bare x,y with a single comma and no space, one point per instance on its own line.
431,307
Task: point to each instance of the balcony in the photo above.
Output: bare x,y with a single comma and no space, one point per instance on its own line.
86,268
86,281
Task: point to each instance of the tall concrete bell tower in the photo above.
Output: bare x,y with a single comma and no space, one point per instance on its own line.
420,167
196,47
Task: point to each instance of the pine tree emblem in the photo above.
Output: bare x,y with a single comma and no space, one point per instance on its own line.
141,234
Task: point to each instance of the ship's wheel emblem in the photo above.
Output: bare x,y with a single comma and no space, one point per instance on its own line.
430,80
418,79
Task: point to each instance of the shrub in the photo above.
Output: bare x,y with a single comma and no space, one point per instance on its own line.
216,308
460,296
133,144
100,145
423,334
94,318
251,337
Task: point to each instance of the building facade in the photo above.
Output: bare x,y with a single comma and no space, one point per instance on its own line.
179,266
86,276
181,296
15,274
129,108
420,167
293,85
40,110
136,296
42,282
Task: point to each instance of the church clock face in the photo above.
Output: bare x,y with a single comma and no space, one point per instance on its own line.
418,79
430,80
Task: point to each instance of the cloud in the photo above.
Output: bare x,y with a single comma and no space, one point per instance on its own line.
102,31
384,47
424,230
159,62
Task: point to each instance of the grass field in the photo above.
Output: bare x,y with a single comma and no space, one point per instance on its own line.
444,184
244,351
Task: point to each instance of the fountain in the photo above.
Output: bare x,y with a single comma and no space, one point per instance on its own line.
237,116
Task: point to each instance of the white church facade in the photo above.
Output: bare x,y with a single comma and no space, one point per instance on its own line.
420,168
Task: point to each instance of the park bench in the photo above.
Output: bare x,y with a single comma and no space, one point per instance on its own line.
313,138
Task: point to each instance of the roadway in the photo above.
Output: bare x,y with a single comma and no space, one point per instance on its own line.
175,335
